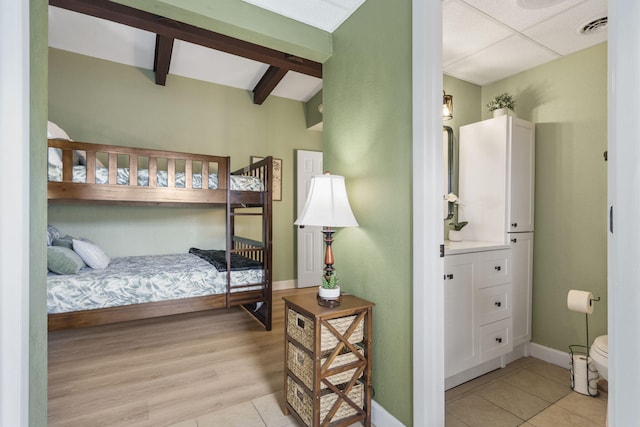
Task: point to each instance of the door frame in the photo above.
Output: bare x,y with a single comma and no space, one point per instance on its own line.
428,267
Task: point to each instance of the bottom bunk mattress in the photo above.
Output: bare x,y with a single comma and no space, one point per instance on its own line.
141,279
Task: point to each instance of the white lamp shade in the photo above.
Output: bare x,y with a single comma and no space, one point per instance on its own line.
327,204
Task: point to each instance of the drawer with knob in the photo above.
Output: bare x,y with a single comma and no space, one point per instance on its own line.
495,339
493,304
494,268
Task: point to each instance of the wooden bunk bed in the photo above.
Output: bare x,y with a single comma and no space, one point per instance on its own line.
171,180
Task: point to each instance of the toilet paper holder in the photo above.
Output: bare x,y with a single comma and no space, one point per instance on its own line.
577,351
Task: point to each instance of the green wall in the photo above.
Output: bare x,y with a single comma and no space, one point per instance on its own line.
466,102
567,99
104,102
37,216
368,139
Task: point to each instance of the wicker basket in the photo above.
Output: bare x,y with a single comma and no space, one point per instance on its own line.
301,328
301,364
302,403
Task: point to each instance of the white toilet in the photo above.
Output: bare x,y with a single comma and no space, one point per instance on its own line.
600,355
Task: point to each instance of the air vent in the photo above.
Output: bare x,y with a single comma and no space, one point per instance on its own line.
594,26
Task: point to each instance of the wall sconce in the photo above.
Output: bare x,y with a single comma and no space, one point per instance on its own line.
447,106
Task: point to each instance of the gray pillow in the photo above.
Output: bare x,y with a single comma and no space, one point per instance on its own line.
66,241
52,233
63,260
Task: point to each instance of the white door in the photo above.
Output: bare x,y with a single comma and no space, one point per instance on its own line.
310,242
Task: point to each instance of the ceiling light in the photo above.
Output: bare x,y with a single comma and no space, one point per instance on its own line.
537,4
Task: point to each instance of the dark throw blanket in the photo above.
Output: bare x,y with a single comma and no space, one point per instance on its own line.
218,259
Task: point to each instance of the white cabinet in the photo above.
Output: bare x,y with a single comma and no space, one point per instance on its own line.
522,269
496,189
496,178
478,308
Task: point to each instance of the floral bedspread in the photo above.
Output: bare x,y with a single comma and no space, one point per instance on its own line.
139,279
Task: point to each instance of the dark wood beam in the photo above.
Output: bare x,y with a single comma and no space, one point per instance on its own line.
162,58
267,83
178,30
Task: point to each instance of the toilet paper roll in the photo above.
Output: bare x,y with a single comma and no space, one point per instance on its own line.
580,301
584,376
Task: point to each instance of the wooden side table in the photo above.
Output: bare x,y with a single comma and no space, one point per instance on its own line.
327,375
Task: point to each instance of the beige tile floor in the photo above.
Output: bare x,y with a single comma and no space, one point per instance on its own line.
528,392
262,412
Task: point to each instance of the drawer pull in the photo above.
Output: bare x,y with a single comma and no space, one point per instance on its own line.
497,268
498,304
448,276
514,224
300,323
499,340
514,240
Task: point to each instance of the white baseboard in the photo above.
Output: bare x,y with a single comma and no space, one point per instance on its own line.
283,284
381,418
551,355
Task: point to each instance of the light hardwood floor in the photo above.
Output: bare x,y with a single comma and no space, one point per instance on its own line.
158,372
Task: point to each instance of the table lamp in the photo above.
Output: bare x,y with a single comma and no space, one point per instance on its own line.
327,206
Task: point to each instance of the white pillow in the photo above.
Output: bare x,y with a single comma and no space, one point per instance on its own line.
55,132
55,154
91,253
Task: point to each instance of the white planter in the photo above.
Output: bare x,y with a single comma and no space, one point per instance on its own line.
455,235
329,294
503,112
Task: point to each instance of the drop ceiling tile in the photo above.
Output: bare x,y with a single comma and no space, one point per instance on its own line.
513,14
560,32
466,31
99,38
501,60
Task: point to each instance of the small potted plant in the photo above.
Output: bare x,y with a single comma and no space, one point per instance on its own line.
455,235
502,104
329,291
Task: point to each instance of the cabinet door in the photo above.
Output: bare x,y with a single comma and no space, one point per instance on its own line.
461,346
522,170
522,269
483,179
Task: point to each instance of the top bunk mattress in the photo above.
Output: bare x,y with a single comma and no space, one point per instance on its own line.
237,182
141,279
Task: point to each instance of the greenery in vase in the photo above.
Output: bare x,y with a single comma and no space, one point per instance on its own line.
458,225
452,198
331,282
504,100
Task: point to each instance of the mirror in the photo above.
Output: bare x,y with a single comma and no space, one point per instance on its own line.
450,176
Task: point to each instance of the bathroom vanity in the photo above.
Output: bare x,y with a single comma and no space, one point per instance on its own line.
477,306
